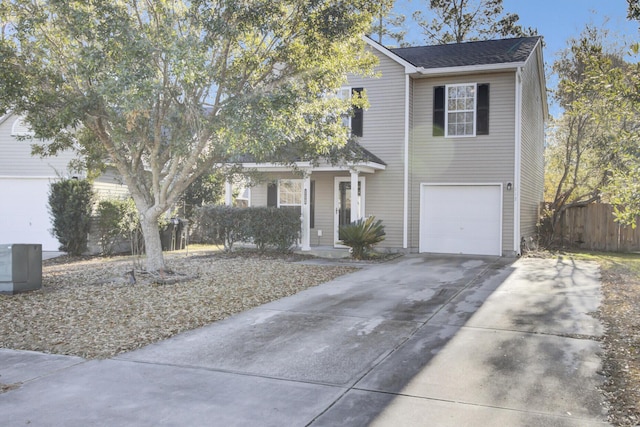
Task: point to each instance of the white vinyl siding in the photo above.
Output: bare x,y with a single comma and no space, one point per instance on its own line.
16,159
454,160
110,185
383,135
532,153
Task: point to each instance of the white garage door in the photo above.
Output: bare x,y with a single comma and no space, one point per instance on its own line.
461,219
24,217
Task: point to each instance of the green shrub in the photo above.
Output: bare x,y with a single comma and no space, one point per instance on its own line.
264,226
70,203
222,224
116,219
361,235
273,227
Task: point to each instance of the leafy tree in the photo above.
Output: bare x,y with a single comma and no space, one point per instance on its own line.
206,189
389,24
167,90
593,151
456,21
633,10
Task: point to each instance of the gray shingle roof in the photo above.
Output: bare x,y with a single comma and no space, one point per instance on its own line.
352,152
488,52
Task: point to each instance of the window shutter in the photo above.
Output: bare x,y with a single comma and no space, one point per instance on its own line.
312,204
357,120
272,194
482,113
438,111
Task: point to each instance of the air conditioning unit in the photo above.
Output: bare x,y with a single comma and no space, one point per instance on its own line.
20,268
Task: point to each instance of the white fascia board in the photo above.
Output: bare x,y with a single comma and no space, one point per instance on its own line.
537,50
5,117
409,68
471,69
26,177
368,167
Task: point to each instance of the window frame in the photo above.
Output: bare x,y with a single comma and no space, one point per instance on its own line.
298,194
447,111
356,114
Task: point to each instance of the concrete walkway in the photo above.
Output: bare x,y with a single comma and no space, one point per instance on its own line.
419,341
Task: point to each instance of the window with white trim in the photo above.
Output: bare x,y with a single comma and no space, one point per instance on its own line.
290,192
21,128
353,120
461,110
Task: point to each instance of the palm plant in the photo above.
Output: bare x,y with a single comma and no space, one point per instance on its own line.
361,235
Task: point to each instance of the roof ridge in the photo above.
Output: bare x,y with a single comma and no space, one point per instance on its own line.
474,53
467,42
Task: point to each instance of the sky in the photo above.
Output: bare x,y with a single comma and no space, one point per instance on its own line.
556,20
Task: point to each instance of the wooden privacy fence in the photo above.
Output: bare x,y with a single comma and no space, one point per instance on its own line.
592,227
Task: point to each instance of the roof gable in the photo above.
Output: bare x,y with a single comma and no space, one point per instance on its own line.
490,52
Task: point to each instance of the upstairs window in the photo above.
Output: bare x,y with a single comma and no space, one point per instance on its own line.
21,128
355,120
461,110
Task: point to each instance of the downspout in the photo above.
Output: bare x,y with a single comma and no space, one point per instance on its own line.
517,163
405,225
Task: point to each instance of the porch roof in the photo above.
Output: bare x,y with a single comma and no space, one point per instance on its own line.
355,157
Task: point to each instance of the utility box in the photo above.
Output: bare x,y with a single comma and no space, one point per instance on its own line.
20,268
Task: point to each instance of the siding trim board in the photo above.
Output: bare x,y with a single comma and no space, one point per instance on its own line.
517,166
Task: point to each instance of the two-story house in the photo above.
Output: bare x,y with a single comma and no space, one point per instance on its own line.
453,141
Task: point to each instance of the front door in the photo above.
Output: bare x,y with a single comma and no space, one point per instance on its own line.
343,205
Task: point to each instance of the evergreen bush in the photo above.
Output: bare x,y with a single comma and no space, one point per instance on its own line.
70,204
117,219
264,226
274,227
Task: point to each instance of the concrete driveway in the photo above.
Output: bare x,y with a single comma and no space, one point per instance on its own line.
420,341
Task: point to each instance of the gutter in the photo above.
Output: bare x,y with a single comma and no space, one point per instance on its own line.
405,224
517,163
470,69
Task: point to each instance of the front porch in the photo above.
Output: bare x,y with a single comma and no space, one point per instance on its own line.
327,196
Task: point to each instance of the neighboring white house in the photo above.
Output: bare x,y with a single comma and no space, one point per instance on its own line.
24,186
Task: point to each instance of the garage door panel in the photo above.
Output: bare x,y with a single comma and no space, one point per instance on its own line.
24,216
461,219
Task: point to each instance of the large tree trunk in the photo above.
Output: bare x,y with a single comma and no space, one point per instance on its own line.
152,243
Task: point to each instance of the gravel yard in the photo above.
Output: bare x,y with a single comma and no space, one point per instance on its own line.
88,308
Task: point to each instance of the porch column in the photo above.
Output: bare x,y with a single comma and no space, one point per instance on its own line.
355,214
305,235
228,193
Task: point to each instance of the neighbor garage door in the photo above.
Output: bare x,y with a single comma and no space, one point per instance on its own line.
461,219
24,216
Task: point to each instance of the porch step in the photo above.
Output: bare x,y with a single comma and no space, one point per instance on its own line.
326,252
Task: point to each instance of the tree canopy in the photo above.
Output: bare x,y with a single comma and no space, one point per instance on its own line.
389,24
167,90
594,149
456,21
